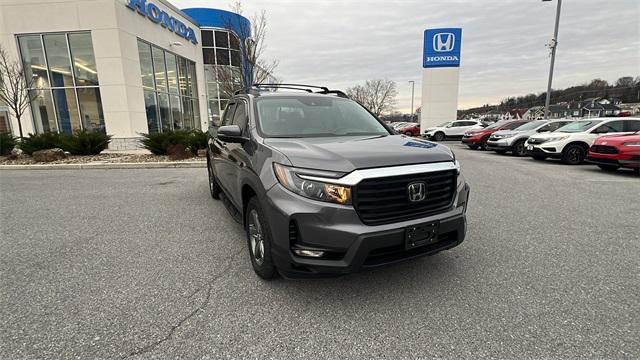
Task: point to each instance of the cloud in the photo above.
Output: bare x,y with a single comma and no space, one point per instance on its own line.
341,43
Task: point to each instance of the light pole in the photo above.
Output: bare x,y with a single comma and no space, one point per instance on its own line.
553,44
413,84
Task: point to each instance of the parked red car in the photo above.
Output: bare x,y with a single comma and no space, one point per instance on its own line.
478,138
410,129
616,151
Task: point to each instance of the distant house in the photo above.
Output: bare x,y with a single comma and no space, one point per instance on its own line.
534,113
599,107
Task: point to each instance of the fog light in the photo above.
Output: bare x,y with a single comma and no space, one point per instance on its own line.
308,253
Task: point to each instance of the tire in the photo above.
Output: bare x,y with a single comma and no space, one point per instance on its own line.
609,167
539,157
259,240
501,152
473,147
483,143
439,136
519,149
408,133
573,154
214,188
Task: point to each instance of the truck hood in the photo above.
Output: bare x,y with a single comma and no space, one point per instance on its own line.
347,153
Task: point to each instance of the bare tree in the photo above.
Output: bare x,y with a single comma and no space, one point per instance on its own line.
14,86
254,68
378,95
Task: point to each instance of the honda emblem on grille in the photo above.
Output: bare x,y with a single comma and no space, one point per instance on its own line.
417,191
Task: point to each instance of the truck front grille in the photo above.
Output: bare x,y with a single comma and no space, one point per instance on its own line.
386,200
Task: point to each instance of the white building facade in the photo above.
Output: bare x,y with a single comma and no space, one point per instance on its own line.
123,67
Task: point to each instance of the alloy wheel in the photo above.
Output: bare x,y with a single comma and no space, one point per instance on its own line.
256,237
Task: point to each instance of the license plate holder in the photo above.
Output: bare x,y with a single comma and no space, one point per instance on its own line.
421,235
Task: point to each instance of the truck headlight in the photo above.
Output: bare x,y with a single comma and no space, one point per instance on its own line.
288,177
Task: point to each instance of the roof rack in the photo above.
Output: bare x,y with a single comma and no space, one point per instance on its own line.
308,88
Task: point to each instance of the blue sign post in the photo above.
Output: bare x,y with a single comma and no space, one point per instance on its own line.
442,47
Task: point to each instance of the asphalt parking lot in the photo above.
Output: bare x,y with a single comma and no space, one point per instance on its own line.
143,263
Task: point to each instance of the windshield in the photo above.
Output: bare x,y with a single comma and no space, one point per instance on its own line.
313,116
495,125
530,125
578,126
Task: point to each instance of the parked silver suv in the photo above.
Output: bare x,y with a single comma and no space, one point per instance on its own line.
513,140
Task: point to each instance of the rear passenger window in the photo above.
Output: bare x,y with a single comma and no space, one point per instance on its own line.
632,125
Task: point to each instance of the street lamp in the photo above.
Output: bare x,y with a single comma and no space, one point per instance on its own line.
552,45
413,84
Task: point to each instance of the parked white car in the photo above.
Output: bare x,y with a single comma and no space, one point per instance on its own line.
452,129
513,140
572,141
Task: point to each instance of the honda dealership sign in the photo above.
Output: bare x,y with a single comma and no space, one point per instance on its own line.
442,47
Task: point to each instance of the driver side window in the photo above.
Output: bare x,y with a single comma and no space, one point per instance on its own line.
228,114
614,126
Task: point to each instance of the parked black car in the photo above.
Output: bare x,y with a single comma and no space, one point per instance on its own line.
322,186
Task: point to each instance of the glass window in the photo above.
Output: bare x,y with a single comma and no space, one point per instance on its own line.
176,113
182,67
228,114
58,60
613,126
33,60
207,38
193,81
84,61
632,125
159,69
146,65
5,125
235,58
91,109
43,112
311,116
152,110
222,57
234,42
67,110
195,105
240,116
209,56
172,73
222,39
187,113
165,111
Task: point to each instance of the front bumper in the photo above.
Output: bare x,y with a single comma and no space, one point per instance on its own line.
349,245
499,145
473,140
622,159
545,149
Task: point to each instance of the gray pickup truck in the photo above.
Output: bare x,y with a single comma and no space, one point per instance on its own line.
323,187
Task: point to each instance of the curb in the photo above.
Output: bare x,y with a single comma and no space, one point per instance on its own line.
142,165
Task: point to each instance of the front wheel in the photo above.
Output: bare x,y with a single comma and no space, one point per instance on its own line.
483,143
259,241
573,154
439,136
609,167
519,149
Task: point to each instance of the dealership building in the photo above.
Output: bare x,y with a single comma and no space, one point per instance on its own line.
123,67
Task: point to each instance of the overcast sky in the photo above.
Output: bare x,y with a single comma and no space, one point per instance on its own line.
340,43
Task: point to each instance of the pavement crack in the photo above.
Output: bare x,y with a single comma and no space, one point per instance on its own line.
209,286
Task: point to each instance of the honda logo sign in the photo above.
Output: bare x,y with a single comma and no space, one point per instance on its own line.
443,42
442,47
417,191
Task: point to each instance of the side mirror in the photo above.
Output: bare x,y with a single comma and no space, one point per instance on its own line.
448,126
231,134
